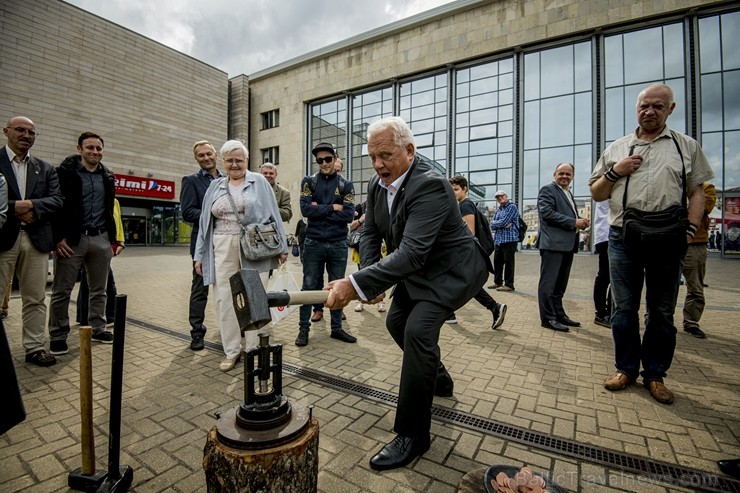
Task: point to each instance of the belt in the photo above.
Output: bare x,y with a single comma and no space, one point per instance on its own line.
92,232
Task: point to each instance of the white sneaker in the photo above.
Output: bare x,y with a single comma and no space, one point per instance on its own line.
229,363
451,319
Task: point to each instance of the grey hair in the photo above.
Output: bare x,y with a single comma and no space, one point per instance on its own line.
269,166
402,134
233,145
658,85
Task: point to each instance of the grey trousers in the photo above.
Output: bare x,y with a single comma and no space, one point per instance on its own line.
95,253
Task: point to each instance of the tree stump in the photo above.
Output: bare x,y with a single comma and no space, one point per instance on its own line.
291,467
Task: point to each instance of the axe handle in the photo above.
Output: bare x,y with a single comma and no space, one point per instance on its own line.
285,298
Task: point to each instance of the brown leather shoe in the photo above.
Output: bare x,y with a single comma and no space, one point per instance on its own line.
618,381
659,391
41,358
317,315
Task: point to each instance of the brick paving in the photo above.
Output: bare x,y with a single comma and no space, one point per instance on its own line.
521,375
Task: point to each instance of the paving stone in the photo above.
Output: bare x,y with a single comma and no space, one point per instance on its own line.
520,375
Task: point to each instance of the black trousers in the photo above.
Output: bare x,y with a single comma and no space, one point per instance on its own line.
602,299
12,411
503,263
197,307
485,299
554,274
415,326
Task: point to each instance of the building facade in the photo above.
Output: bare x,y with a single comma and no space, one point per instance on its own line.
499,91
70,71
503,91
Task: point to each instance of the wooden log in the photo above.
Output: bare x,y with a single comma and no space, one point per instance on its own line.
292,467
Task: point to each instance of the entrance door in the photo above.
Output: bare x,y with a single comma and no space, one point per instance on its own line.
135,230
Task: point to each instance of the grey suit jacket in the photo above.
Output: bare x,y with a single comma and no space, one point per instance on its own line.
430,248
42,188
558,230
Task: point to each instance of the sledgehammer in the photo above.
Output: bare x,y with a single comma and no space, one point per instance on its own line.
252,303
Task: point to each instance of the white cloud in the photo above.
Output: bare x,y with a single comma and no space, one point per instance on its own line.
251,35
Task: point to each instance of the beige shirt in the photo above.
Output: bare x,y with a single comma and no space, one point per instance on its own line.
657,184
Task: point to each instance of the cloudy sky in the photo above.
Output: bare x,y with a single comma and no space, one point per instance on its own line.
246,36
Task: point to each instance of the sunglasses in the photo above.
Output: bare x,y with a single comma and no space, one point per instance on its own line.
327,159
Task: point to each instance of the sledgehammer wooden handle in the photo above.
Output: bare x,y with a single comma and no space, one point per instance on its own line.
285,298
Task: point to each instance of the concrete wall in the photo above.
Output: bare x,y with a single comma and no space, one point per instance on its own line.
477,29
71,71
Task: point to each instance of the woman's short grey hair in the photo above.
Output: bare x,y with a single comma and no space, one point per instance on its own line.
233,145
402,134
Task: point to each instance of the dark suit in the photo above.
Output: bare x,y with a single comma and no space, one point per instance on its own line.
437,267
557,241
31,248
192,191
42,188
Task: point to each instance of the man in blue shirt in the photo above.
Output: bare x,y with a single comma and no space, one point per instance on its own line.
327,203
505,228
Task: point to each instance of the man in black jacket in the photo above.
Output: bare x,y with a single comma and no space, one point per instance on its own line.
435,264
26,237
192,191
85,232
327,203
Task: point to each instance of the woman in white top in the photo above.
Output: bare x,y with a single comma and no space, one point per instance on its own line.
218,254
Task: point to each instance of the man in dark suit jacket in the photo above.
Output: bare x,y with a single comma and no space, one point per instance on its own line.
557,241
435,263
192,191
26,237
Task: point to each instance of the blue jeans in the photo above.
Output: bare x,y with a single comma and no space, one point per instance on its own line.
317,256
660,270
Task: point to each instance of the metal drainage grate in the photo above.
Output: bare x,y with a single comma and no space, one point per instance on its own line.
653,470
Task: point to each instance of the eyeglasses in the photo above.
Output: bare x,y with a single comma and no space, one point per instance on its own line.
327,159
235,161
23,131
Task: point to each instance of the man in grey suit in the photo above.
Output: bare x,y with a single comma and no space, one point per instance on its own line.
192,191
435,264
557,242
26,237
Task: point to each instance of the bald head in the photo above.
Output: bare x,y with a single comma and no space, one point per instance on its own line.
21,134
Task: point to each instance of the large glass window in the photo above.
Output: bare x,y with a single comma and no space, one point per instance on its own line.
628,70
557,122
484,129
328,124
719,67
424,106
366,108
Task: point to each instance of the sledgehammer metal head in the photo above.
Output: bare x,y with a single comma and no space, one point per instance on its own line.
252,303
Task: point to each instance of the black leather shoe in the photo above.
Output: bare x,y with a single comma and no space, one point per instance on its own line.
555,325
302,339
570,323
342,336
730,467
197,343
400,452
695,331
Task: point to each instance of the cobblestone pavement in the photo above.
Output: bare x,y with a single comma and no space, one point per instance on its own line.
520,377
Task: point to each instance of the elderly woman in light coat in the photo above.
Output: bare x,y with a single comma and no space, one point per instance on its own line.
218,255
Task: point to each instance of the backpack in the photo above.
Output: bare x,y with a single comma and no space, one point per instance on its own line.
522,229
483,232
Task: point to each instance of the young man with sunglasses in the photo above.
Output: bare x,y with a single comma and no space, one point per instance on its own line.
327,203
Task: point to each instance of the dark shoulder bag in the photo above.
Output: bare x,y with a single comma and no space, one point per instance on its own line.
663,229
